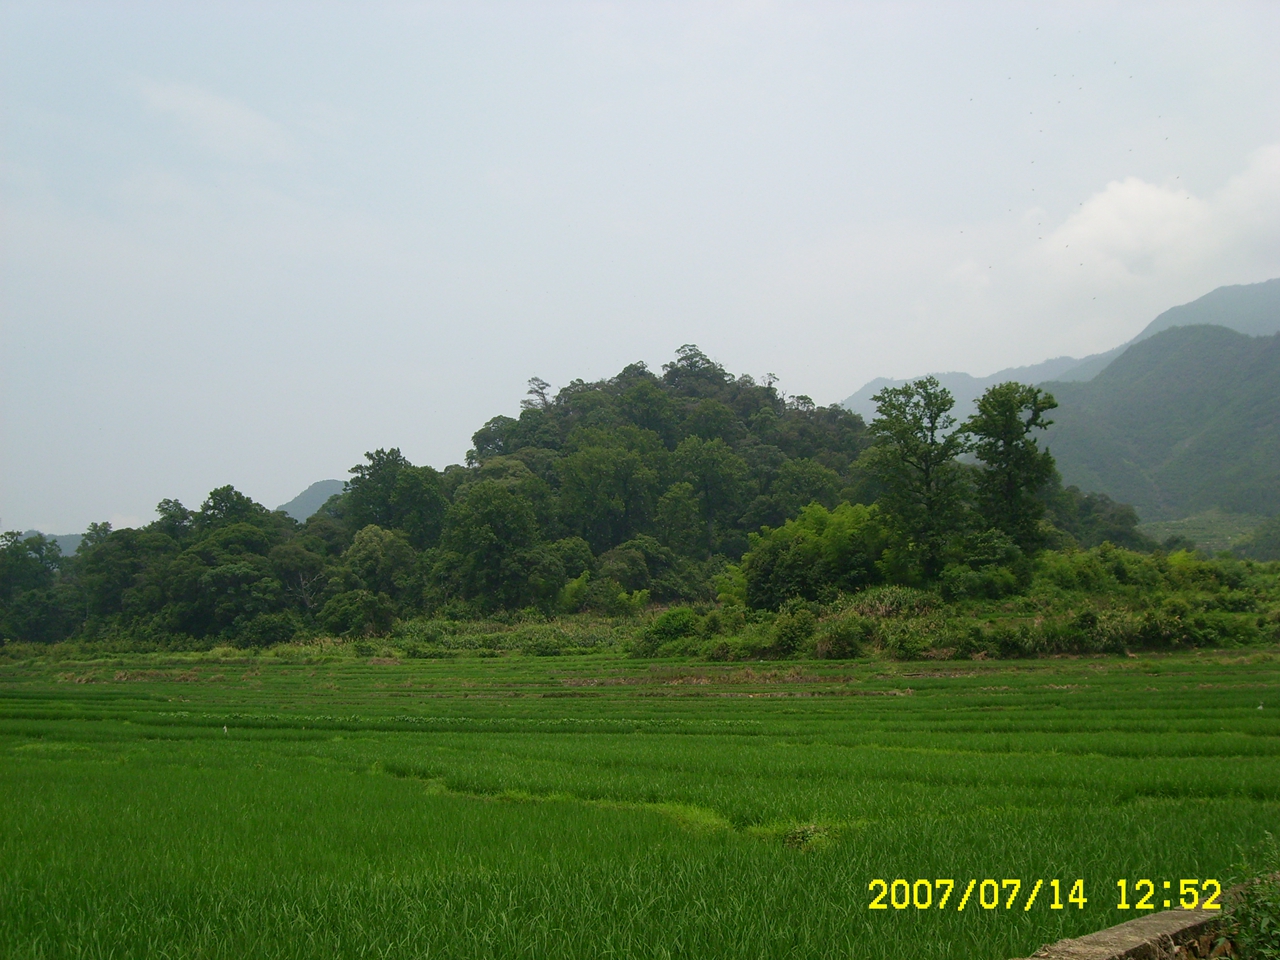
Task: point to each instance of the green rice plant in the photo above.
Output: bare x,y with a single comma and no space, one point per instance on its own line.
302,802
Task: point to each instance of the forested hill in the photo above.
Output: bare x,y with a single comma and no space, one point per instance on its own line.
695,457
1249,308
1185,420
602,496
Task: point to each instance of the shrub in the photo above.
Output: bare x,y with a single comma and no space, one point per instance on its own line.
674,624
1254,920
573,594
908,639
542,647
814,555
791,631
611,598
959,581
268,629
844,637
678,623
358,613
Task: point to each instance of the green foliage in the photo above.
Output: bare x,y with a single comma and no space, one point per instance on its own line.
1094,518
893,600
358,613
1264,542
914,459
685,488
573,595
35,605
818,554
391,493
991,566
382,561
610,482
1014,467
791,631
673,624
27,564
718,478
731,586
269,629
609,597
489,549
1254,918
845,636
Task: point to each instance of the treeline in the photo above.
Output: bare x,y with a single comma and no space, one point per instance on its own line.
604,497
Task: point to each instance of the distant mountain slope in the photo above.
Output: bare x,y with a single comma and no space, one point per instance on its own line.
1249,308
1252,309
67,542
1183,421
965,388
311,499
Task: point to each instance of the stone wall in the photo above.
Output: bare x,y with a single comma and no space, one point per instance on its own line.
1168,935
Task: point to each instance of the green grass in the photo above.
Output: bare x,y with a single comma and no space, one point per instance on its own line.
591,806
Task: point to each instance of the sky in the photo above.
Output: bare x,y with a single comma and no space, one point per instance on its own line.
247,242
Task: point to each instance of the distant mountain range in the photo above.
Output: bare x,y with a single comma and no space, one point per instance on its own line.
1183,418
1252,309
1180,423
311,499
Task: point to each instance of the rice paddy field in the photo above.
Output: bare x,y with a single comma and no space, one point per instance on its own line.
229,806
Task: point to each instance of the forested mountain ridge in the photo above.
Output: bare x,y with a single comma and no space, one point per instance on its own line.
1251,308
1185,420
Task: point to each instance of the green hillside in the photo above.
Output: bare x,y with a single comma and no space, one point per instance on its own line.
1182,422
1249,308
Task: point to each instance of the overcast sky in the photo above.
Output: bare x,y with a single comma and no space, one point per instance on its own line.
245,243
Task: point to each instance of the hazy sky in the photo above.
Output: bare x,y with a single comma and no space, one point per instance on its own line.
245,243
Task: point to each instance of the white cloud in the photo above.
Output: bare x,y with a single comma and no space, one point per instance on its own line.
1252,199
914,297
223,126
1135,231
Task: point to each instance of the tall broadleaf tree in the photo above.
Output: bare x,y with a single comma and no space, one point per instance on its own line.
914,458
392,493
1015,469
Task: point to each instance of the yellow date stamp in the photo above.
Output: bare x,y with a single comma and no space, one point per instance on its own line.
1011,893
1190,894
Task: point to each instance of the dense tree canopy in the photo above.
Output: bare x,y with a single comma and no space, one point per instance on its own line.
924,486
1015,469
602,496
